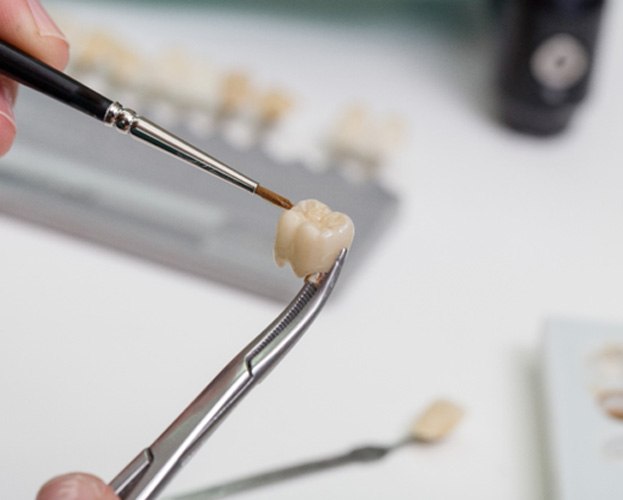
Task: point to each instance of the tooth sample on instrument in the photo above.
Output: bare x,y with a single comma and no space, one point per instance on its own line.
310,236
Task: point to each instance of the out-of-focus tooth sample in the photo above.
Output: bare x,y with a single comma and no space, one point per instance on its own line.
273,105
97,51
365,138
437,421
612,403
235,91
607,379
310,236
350,132
169,69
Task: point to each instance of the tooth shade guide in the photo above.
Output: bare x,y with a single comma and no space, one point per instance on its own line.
178,77
361,454
437,421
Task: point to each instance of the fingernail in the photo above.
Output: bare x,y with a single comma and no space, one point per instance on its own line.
45,25
72,487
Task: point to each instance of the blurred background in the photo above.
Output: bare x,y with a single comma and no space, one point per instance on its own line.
485,184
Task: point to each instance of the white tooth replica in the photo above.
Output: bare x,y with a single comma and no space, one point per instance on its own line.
310,237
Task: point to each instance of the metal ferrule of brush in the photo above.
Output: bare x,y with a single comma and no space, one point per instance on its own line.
128,122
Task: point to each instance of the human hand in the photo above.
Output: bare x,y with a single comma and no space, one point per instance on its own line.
76,486
26,25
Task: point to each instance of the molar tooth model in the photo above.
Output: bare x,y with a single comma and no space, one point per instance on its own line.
310,236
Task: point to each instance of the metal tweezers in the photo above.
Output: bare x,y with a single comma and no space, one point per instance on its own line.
145,476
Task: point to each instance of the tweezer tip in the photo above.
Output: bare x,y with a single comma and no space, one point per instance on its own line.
274,198
317,279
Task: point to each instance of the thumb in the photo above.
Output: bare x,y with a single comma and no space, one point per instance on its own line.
77,486
26,25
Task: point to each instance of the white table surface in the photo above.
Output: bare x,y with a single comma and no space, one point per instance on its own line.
496,232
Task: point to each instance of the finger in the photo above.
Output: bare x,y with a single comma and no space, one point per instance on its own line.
26,25
8,90
77,486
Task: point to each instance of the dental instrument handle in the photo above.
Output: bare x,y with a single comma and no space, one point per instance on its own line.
43,78
364,454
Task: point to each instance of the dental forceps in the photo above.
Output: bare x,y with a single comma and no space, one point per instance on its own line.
145,476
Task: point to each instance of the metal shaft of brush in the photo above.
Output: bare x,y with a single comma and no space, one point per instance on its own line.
127,121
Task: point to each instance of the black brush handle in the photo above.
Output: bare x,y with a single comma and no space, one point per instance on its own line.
43,78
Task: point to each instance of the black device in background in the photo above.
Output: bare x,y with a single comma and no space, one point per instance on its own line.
547,52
